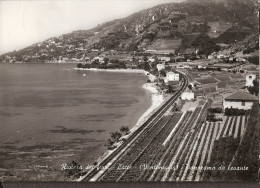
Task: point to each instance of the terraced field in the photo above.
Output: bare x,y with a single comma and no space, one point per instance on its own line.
178,147
167,145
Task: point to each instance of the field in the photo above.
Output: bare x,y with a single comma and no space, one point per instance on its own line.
179,147
169,143
162,45
226,83
217,28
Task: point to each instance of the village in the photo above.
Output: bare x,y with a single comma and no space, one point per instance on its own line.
213,111
215,76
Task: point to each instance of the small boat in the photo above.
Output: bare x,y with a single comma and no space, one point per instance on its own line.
84,75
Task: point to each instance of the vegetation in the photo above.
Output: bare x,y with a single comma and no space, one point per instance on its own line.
254,90
247,153
205,45
235,112
215,110
124,130
109,144
254,60
72,170
115,65
230,151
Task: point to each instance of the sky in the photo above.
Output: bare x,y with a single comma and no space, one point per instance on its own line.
23,23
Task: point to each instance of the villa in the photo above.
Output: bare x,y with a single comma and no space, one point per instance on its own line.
239,100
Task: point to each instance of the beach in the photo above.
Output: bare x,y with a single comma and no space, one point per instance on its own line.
156,97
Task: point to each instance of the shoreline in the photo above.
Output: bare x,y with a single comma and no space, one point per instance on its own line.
156,101
156,98
138,71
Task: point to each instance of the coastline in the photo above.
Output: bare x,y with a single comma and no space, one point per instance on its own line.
157,100
140,71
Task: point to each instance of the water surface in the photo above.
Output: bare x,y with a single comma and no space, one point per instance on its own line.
51,114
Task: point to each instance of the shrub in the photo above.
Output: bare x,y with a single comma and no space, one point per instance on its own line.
79,65
215,110
148,81
109,144
74,170
124,129
235,112
115,136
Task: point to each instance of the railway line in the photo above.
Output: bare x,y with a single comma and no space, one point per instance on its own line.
145,132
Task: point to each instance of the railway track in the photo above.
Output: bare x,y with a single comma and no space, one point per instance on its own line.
149,124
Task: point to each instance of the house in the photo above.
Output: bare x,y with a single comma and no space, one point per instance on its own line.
239,100
98,59
230,59
249,80
211,57
187,96
171,76
160,67
220,56
151,59
164,59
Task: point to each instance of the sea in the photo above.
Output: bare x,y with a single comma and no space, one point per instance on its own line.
51,114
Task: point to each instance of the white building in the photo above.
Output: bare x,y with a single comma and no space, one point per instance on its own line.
220,56
160,67
187,96
151,59
239,100
165,59
231,59
211,57
249,80
171,76
99,59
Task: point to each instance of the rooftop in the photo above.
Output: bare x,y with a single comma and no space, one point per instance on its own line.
242,96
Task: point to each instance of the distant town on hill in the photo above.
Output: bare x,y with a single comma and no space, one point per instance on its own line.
188,30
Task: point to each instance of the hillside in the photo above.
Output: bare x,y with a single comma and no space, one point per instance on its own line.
167,28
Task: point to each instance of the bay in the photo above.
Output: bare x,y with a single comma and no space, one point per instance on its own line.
51,114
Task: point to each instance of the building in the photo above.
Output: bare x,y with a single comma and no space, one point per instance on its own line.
211,57
98,59
151,59
187,96
249,80
171,76
239,100
160,67
220,56
164,59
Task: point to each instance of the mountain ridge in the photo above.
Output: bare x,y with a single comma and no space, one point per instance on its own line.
169,28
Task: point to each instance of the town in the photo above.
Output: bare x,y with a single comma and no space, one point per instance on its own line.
167,94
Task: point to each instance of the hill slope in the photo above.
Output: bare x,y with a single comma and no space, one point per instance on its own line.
168,28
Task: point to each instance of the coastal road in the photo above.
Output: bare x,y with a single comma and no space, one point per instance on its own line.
97,174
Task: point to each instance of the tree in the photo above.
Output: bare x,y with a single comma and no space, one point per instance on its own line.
145,58
254,90
115,136
73,169
109,143
163,73
106,60
148,81
79,65
124,130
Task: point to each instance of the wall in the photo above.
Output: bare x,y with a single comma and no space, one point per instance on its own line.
237,104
